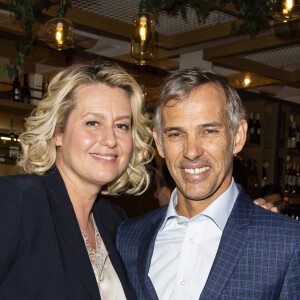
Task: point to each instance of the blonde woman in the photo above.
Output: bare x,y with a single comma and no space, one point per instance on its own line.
88,135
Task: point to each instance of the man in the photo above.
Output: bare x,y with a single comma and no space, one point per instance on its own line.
211,241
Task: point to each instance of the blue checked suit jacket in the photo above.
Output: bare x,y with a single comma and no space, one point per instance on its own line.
258,255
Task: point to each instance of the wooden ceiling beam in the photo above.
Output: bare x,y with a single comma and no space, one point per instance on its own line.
271,41
244,64
197,36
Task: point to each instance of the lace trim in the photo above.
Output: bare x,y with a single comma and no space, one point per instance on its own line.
97,256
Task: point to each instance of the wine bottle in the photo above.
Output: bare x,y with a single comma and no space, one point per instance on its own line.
16,88
293,136
25,91
257,130
251,128
298,135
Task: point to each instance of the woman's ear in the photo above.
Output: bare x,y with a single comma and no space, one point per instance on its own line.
240,136
58,139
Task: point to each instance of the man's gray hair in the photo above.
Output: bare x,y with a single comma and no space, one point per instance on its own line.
179,85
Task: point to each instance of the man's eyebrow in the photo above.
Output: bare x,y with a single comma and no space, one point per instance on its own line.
212,124
173,128
200,126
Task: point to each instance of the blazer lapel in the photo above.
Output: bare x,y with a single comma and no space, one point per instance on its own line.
109,240
232,245
145,255
68,230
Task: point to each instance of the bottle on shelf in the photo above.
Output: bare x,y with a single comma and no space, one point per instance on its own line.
288,179
264,178
294,180
291,134
9,147
25,91
293,137
298,135
16,88
45,86
298,180
250,131
257,130
253,183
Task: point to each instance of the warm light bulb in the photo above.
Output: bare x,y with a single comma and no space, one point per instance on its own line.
285,10
289,5
247,81
59,33
143,28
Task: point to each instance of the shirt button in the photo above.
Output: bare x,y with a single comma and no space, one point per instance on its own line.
182,282
180,221
192,241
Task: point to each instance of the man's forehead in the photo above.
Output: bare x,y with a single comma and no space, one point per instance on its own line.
212,89
208,102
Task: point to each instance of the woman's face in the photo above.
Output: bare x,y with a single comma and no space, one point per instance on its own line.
96,144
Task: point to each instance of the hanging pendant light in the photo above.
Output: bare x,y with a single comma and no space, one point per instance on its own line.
60,31
285,10
143,35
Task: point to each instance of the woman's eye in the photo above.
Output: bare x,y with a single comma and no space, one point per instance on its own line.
123,127
92,123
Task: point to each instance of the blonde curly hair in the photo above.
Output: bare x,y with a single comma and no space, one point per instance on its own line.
38,153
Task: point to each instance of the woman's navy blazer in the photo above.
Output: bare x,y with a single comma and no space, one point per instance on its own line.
42,252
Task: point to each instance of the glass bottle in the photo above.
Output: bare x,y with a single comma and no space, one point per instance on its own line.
25,91
16,88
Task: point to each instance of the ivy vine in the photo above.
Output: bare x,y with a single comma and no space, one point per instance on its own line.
255,13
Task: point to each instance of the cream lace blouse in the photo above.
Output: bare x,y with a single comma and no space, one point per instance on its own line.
107,279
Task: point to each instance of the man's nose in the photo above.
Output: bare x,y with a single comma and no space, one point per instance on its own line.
193,148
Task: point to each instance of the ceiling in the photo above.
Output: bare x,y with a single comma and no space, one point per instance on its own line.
271,59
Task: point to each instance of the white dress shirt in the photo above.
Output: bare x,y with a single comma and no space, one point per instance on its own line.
185,248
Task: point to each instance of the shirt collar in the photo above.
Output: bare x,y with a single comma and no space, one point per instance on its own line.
223,203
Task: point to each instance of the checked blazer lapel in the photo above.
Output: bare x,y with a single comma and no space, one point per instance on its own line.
69,232
232,245
145,256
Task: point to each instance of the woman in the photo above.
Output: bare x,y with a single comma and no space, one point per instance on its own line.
88,135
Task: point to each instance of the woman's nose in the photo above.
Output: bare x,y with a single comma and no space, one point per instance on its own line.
108,138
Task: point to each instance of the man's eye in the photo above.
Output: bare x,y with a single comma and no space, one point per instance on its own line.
173,134
211,131
92,123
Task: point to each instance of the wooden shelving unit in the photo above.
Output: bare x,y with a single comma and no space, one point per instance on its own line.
15,109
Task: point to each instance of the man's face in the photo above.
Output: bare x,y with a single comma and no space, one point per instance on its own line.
196,144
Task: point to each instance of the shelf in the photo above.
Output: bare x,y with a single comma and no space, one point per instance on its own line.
293,153
253,145
15,108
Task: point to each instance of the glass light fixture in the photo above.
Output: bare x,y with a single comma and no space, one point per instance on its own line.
285,10
60,31
143,35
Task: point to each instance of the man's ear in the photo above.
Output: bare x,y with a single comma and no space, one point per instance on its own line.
158,146
58,139
240,136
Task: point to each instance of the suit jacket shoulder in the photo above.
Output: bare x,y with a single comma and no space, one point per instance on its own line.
258,256
135,242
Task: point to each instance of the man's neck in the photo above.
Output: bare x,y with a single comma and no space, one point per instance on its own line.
190,208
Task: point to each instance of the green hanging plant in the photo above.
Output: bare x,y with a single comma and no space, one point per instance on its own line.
255,13
29,12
